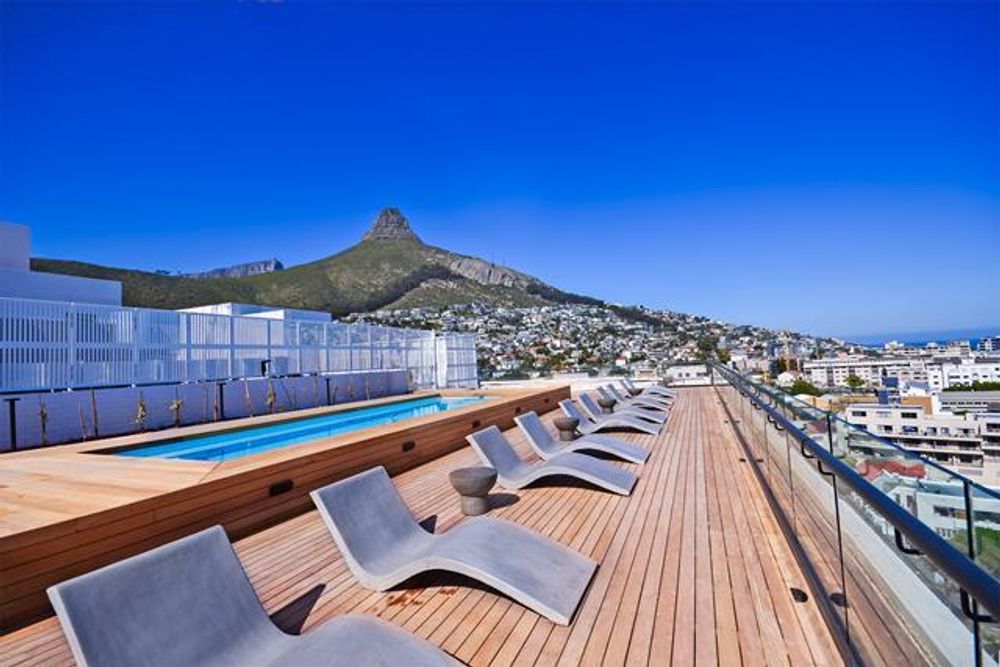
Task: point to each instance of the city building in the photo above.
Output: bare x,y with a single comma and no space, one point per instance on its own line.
939,504
680,375
871,370
989,344
962,371
970,401
950,439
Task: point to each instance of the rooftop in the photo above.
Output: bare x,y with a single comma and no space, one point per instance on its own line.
693,567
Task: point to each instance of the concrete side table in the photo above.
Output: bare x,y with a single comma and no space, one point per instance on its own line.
566,427
473,485
607,405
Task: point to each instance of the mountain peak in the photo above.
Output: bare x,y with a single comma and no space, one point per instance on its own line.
392,225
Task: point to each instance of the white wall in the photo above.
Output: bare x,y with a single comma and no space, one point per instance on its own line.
18,284
70,415
15,246
18,281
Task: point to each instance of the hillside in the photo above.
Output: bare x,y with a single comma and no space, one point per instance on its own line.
390,267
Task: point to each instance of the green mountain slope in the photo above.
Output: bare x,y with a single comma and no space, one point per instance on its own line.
390,267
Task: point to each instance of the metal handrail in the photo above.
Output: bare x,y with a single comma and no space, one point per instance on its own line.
970,577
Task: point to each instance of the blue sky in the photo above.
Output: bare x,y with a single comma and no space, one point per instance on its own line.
833,168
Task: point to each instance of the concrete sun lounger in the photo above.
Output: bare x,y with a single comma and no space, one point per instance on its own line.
591,406
656,390
189,603
640,402
618,420
384,546
647,400
514,473
547,447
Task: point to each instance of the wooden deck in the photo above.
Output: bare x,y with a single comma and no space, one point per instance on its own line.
693,568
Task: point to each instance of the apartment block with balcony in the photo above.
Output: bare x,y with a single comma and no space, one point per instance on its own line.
950,439
944,374
834,372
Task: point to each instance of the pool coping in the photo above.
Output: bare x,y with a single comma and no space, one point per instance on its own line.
260,421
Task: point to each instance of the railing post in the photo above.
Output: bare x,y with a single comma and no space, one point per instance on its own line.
970,535
840,534
12,414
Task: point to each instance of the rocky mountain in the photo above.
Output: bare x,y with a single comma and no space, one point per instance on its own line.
391,267
240,270
390,225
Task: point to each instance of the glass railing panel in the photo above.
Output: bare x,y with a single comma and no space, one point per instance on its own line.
986,547
901,602
816,528
893,603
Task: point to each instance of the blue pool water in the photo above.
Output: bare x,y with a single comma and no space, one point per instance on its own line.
254,440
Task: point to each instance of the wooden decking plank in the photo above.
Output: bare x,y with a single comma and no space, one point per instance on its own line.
661,648
641,640
611,633
579,637
725,613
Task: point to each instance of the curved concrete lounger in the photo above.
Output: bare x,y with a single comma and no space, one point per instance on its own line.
548,447
591,406
189,603
513,473
657,406
655,389
661,402
607,422
384,546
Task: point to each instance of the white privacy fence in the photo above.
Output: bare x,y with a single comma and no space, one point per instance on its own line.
456,360
57,345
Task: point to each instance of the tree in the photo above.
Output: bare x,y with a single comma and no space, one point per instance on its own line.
854,382
978,385
706,344
801,386
723,355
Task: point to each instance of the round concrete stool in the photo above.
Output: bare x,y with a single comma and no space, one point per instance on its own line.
566,427
607,405
473,485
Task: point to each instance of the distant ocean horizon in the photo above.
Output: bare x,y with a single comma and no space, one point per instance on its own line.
919,338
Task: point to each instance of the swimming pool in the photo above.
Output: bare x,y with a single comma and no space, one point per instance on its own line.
257,439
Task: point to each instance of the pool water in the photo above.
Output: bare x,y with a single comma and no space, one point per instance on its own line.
254,440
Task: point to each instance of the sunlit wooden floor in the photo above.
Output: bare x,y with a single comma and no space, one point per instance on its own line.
693,568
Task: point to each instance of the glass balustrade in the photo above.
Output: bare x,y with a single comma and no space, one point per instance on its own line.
887,601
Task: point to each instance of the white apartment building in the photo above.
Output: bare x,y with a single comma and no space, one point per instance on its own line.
954,440
938,372
687,374
939,504
970,401
944,374
834,372
989,344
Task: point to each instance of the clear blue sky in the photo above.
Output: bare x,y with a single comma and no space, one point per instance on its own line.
832,168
